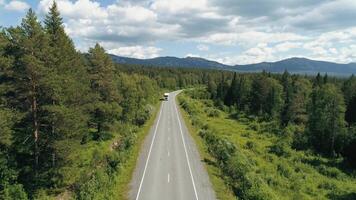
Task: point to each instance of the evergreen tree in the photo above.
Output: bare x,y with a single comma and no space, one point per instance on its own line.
297,109
232,92
68,91
349,89
30,47
318,81
104,86
243,93
212,88
326,123
286,115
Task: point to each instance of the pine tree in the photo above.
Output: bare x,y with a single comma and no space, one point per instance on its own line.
243,93
326,119
104,86
318,81
349,89
30,45
67,87
232,92
286,115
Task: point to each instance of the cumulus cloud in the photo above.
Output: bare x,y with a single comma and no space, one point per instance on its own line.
203,47
136,51
16,5
261,30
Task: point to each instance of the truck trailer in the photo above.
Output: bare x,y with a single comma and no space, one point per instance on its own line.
165,96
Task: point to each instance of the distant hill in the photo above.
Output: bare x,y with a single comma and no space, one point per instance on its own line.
188,62
293,65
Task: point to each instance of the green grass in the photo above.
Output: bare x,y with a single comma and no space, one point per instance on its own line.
221,189
290,175
122,186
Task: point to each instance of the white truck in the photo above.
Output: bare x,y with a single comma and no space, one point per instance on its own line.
165,96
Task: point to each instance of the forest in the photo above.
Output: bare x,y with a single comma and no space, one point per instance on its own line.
71,122
277,136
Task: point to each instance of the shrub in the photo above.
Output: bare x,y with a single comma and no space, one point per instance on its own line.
281,148
212,112
250,145
15,191
327,186
284,170
331,172
255,126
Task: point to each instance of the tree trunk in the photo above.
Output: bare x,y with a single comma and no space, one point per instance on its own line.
35,123
53,135
334,114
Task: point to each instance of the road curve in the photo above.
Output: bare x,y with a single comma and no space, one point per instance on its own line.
169,166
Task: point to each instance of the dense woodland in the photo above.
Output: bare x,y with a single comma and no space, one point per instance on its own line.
321,110
276,136
60,108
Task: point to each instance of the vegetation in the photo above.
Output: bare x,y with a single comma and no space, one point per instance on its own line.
71,124
258,163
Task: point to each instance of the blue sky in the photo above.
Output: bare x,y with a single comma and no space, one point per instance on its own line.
228,31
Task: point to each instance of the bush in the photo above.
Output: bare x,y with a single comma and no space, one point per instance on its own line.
281,148
212,112
255,126
15,191
96,187
284,170
250,145
331,172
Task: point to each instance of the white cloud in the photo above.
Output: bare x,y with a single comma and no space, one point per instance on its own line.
274,30
179,6
136,51
2,2
251,37
287,46
80,9
193,55
16,5
203,47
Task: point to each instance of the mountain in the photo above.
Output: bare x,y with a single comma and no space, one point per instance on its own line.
293,65
301,66
188,62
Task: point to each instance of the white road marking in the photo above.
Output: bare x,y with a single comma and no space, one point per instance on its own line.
168,178
149,154
168,154
186,154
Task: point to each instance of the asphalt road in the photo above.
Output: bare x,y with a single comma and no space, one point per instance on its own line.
169,166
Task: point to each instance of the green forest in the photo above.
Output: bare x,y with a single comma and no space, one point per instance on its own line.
271,136
71,123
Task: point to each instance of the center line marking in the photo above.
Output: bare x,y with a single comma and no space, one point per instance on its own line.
168,153
168,177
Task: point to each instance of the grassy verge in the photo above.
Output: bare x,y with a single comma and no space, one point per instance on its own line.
222,191
129,167
263,165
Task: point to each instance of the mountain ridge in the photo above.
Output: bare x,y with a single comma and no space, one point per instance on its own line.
296,65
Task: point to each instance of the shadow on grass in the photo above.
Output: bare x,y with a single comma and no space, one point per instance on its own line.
320,163
349,196
210,162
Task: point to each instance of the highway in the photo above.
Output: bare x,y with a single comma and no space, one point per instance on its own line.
169,166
